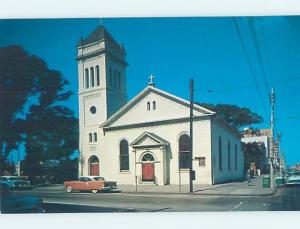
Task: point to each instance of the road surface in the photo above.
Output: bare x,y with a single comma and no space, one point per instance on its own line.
59,201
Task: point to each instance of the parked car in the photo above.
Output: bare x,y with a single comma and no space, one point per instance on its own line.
90,183
13,203
15,182
293,178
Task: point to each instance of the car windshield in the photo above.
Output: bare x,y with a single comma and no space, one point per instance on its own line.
15,178
98,178
85,179
293,173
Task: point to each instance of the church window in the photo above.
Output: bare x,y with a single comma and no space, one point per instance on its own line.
95,137
90,137
184,151
124,156
87,79
119,81
92,77
235,157
148,157
154,105
148,106
229,155
220,153
110,77
115,79
93,109
98,75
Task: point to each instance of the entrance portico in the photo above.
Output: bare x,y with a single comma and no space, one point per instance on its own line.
150,159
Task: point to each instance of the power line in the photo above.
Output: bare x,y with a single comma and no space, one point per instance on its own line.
258,52
288,117
249,63
283,81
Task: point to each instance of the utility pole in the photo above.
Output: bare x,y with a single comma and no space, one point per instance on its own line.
278,153
19,164
271,156
191,133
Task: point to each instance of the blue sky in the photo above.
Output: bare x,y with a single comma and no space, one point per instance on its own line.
176,49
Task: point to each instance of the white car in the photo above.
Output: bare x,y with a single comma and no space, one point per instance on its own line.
293,178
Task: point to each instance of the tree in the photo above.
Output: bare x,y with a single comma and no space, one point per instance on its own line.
254,152
51,130
48,129
237,117
18,80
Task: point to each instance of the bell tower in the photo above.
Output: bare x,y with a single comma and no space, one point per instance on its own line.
102,84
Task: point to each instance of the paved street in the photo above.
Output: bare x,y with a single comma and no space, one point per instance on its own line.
57,200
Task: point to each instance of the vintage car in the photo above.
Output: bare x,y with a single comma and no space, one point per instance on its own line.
293,178
13,203
90,183
15,182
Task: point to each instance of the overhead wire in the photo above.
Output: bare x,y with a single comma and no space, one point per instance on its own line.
282,81
258,52
249,63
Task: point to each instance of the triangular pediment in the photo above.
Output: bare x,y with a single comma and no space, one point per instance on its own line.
148,139
167,107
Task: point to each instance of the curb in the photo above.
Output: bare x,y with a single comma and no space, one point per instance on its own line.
197,194
184,193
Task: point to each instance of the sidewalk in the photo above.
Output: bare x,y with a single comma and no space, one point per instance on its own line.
229,189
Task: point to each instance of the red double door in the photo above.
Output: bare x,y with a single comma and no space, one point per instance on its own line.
94,169
148,171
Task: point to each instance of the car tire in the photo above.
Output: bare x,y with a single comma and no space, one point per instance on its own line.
94,191
69,189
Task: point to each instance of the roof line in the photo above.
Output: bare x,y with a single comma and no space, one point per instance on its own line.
133,100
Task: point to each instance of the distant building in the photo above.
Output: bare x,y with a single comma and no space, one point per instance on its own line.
262,136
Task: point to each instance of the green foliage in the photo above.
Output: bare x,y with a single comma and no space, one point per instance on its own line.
254,152
19,72
48,128
237,117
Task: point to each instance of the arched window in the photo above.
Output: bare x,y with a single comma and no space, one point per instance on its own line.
90,137
115,79
98,75
87,79
124,156
220,153
148,106
154,105
229,155
235,157
92,77
148,157
95,137
110,77
119,81
94,166
184,151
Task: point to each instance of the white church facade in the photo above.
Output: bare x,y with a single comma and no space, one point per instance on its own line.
145,140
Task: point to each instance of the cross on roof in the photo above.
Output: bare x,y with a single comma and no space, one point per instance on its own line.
151,83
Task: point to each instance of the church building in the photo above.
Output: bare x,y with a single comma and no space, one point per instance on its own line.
145,140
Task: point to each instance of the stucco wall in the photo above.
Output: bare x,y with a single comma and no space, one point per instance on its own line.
108,153
226,174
